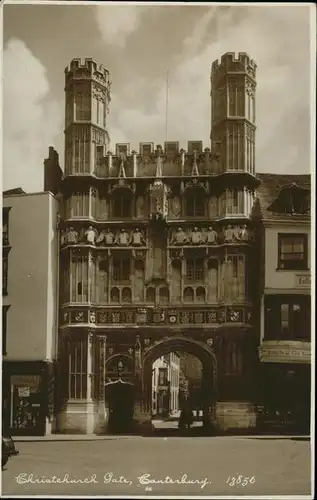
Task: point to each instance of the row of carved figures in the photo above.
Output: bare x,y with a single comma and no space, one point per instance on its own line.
194,236
92,237
210,236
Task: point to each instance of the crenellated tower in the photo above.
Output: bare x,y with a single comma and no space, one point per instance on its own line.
233,86
87,90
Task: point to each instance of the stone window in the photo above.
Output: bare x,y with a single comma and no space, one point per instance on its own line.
82,107
78,205
122,207
121,268
79,279
195,205
77,375
195,269
235,201
236,276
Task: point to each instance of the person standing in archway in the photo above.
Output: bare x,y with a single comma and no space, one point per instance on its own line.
186,415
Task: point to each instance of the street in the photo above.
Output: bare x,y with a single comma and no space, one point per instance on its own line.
160,466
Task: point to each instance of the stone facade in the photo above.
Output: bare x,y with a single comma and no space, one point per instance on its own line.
157,250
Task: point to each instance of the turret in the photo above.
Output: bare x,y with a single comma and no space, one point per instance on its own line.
87,93
233,111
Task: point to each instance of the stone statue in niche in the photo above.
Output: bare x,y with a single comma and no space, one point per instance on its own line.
212,236
245,235
137,238
91,234
229,234
176,206
123,238
180,237
63,238
101,237
196,236
72,236
106,237
109,237
237,233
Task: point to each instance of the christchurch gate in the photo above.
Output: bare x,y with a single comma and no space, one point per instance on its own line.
157,254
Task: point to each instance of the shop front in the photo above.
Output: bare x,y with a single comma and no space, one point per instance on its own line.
286,392
28,398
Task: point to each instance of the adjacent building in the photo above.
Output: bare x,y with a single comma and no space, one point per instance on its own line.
285,348
165,385
191,374
29,311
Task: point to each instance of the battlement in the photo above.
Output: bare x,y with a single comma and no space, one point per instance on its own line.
87,69
159,161
234,62
148,149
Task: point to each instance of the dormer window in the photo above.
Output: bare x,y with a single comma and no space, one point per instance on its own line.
292,200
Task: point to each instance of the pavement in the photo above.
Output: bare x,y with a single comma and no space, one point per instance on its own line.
162,428
159,466
109,437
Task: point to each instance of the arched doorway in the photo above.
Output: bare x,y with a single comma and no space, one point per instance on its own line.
119,394
199,350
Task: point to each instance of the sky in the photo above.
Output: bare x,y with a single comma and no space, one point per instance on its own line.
138,44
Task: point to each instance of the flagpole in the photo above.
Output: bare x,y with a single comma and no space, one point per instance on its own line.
166,104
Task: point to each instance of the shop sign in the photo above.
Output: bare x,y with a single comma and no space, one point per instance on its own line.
285,352
302,281
31,381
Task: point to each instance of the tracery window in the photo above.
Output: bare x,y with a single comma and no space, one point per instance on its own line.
81,151
195,205
121,268
78,205
235,201
82,107
195,269
77,369
79,279
122,207
236,276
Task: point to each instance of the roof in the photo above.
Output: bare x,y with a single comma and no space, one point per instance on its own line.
269,190
13,191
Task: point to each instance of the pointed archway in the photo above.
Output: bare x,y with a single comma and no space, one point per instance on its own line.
198,349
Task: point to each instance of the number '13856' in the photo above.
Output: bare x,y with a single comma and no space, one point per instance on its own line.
240,480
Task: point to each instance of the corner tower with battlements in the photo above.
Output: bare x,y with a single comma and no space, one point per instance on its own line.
87,92
157,255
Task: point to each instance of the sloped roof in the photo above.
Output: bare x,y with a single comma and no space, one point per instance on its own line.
270,187
17,190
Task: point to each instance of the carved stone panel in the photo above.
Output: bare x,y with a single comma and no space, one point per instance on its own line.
176,206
